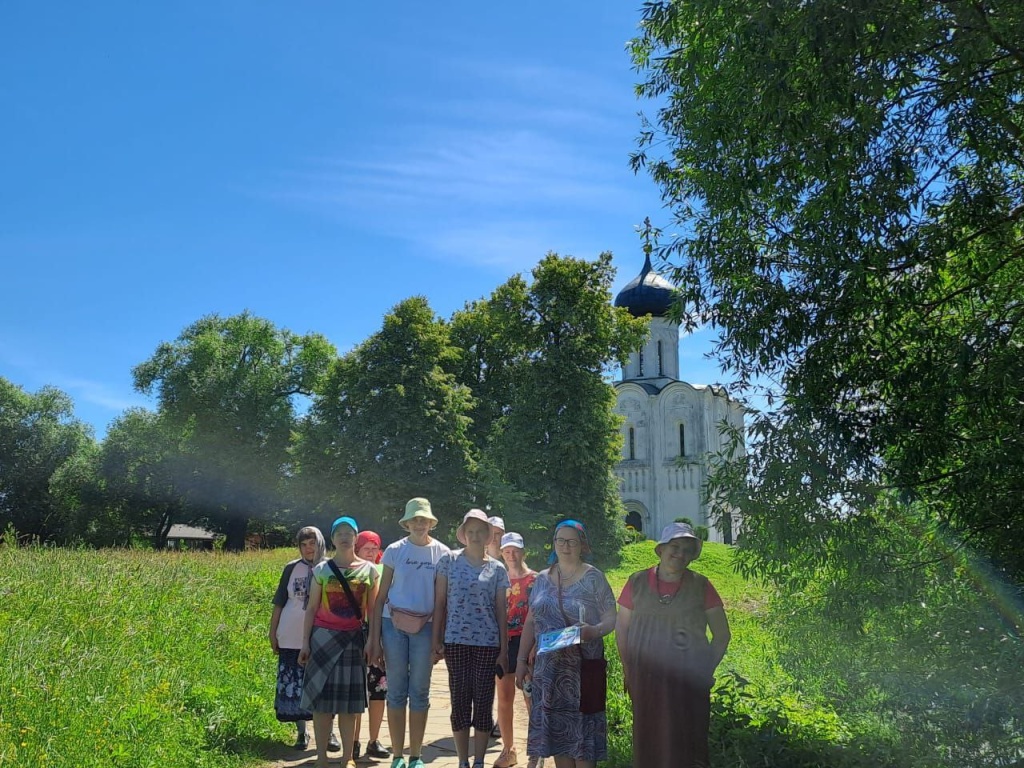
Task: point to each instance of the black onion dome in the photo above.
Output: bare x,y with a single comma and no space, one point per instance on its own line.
647,294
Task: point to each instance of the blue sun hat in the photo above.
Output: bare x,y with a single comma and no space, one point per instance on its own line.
350,522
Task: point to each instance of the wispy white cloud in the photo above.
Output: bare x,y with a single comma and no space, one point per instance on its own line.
32,373
100,394
488,170
494,181
509,244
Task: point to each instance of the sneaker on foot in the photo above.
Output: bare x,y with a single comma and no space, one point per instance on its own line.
333,745
416,762
376,749
398,762
506,759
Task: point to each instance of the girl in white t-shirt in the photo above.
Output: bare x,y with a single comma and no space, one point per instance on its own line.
400,632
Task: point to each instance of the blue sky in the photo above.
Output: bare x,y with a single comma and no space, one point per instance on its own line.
312,162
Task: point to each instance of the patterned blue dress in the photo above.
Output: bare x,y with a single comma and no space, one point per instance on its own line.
557,727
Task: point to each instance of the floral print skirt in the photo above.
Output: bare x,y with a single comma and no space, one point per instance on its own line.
288,700
376,683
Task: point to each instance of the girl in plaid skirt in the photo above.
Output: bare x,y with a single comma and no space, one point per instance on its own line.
342,592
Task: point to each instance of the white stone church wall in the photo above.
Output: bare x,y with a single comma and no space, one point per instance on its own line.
658,482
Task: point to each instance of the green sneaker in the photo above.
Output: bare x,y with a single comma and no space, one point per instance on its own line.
398,762
416,762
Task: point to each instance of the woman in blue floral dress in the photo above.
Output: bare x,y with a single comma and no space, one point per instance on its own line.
569,592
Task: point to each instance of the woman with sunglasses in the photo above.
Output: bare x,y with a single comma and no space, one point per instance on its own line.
668,664
567,679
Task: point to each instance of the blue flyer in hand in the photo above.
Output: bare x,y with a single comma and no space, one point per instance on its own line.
561,638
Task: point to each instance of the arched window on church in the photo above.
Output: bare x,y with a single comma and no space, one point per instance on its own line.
641,371
661,368
632,444
682,439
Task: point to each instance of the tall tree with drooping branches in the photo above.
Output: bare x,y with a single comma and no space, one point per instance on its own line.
229,386
847,181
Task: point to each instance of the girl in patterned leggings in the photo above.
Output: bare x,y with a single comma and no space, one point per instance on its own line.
469,633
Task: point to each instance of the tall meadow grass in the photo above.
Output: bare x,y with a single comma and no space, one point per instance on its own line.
139,659
135,658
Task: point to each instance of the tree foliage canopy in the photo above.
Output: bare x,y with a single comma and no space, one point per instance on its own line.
227,384
849,186
38,436
849,183
390,423
146,472
536,354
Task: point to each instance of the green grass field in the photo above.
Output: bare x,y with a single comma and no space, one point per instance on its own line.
135,658
140,658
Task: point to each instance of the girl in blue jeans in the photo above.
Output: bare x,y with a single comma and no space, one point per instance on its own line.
400,634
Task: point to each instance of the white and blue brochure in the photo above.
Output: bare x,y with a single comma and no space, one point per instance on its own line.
561,638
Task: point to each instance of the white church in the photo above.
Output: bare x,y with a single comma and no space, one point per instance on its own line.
671,427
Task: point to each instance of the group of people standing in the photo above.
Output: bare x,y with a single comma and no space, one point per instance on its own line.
350,629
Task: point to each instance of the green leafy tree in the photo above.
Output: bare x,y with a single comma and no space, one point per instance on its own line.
390,423
848,182
146,474
84,510
38,435
536,355
229,386
491,334
493,347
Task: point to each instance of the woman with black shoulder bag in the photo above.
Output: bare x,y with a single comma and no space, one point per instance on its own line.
343,590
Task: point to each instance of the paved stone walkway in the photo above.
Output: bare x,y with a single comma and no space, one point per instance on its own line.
438,746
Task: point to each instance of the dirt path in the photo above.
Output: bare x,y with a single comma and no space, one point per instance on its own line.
438,747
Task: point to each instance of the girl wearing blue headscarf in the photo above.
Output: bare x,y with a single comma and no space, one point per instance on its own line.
571,609
342,592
